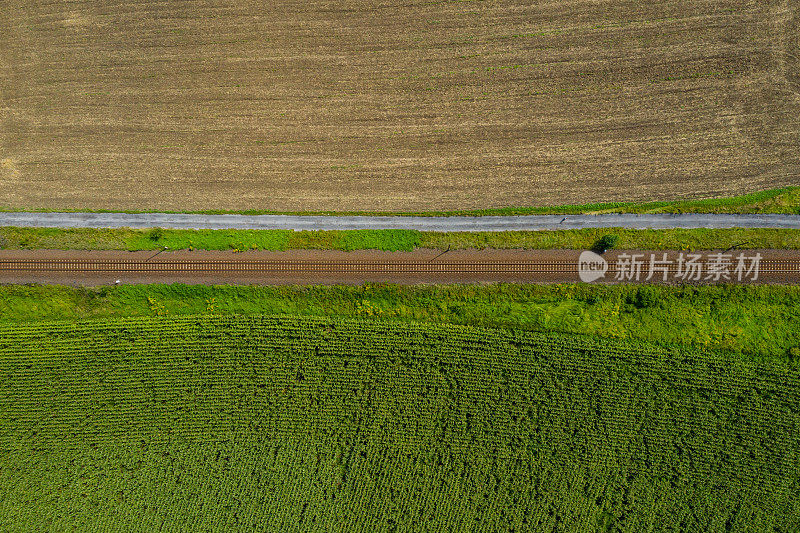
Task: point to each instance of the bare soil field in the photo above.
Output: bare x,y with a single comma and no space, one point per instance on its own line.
417,105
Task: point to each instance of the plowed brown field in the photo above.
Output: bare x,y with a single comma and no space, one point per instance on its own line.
415,105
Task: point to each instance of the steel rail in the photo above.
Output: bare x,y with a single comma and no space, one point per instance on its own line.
314,266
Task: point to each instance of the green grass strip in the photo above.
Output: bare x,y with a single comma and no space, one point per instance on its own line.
13,238
760,320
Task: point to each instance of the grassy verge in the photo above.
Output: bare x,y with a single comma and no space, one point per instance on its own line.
671,239
782,200
13,238
760,320
131,239
284,424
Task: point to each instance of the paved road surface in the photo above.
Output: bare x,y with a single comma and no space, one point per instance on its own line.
487,223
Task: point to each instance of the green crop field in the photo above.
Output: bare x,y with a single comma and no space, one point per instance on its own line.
308,424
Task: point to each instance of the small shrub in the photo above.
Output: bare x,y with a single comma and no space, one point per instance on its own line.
606,242
155,234
645,297
594,299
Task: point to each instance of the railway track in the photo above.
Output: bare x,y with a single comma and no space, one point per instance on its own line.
334,267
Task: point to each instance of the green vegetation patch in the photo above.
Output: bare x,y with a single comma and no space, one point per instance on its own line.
13,238
297,424
649,239
362,239
753,319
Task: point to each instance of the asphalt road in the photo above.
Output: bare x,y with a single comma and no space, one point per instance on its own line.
486,223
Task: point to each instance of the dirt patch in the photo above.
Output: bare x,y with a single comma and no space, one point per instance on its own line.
385,106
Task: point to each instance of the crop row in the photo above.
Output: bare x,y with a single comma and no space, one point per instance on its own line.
283,421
